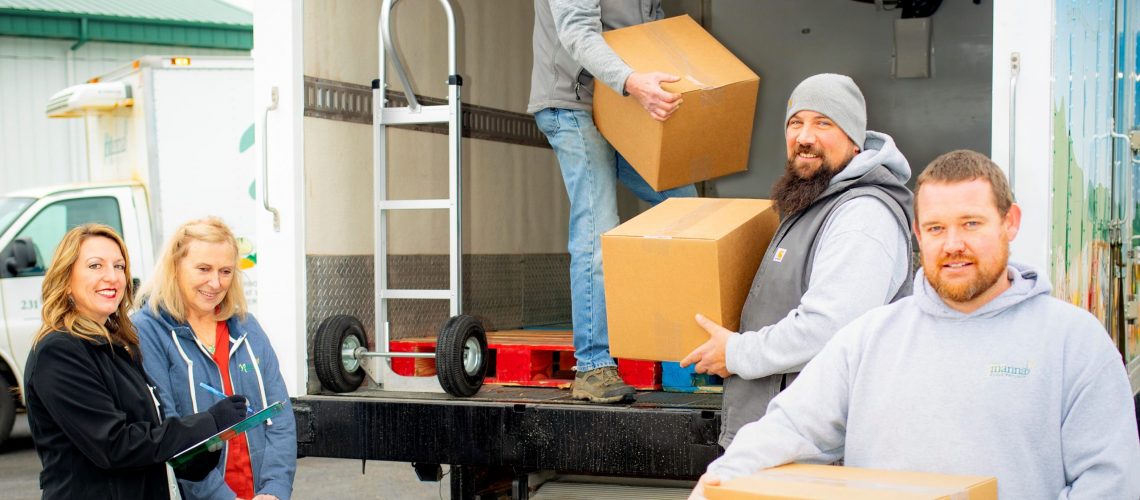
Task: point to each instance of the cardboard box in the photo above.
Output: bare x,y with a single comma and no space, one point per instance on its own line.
682,257
709,135
803,481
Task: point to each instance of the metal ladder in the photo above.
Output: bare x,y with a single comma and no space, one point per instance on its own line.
413,113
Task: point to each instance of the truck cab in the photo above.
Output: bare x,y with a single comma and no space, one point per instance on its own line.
32,222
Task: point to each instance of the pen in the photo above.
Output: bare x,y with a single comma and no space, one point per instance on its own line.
221,394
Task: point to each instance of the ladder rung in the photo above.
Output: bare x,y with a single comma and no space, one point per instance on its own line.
415,294
405,116
413,204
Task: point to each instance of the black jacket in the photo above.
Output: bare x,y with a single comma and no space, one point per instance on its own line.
96,426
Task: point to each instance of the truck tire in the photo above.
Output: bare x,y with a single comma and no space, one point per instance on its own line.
461,356
336,338
7,410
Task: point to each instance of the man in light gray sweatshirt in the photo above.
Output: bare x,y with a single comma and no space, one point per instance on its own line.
568,49
842,248
980,372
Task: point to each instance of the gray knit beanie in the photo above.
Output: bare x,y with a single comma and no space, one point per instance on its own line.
836,97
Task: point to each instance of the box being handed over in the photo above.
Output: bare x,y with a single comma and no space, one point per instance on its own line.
709,134
682,257
817,482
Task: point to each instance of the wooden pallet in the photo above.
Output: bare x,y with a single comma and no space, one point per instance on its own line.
529,358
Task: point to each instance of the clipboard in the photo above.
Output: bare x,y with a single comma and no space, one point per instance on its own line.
215,442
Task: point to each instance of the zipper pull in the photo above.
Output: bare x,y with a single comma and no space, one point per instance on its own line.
577,85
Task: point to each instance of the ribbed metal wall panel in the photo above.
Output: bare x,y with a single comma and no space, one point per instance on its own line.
33,151
36,150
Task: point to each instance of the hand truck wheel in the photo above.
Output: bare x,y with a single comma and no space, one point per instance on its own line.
461,356
334,353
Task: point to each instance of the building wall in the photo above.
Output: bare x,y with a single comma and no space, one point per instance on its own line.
36,150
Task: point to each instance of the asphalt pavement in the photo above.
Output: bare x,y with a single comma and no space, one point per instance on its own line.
316,477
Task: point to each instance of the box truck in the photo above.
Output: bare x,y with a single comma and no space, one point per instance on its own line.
1048,91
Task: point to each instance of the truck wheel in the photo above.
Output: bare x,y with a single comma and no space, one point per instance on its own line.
461,356
334,356
7,410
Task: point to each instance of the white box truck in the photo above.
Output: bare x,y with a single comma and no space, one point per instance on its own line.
1048,90
169,139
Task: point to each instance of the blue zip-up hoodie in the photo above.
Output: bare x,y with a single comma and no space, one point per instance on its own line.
177,363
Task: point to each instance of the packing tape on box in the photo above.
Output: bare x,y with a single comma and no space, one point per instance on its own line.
692,71
713,97
707,208
954,494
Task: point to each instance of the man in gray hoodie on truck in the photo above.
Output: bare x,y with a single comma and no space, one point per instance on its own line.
981,372
568,49
842,248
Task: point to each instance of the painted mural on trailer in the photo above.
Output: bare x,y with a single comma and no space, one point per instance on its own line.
1089,161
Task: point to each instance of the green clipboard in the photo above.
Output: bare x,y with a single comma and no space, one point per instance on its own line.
215,442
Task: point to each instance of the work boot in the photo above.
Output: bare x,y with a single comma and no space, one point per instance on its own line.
600,385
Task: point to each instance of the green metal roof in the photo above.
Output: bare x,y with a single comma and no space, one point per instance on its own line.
187,23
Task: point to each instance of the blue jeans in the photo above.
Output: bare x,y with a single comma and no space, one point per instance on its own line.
591,169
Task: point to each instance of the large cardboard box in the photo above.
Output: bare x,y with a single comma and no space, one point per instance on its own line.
709,135
802,481
682,257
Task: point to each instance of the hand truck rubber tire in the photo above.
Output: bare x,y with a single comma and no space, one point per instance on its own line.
461,356
337,366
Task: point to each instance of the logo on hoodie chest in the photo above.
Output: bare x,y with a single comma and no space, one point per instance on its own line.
1011,371
780,252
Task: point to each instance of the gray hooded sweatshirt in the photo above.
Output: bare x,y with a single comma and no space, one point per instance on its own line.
1027,388
846,254
568,38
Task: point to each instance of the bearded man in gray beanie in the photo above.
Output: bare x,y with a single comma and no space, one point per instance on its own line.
842,248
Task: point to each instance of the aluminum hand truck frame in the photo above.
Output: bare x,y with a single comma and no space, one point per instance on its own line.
461,356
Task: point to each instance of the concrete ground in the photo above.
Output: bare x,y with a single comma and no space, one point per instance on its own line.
316,477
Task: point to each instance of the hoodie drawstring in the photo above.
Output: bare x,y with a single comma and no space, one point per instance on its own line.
189,371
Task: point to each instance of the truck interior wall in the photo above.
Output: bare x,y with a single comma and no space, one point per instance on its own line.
785,42
514,207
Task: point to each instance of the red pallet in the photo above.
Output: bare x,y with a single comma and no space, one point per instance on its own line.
530,358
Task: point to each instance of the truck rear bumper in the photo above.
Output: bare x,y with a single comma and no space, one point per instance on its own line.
661,435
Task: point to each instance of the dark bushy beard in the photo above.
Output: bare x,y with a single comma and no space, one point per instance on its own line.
793,193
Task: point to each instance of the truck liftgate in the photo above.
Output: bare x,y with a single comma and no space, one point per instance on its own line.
494,439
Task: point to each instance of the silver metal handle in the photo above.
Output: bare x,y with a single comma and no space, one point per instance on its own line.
265,161
390,47
1014,70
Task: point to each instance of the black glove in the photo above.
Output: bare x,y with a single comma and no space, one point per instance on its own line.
198,467
228,411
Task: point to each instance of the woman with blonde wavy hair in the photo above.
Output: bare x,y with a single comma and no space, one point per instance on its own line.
198,340
93,414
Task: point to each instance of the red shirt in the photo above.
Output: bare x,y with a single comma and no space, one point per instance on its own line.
239,472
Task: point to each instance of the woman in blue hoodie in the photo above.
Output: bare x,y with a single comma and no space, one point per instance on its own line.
197,338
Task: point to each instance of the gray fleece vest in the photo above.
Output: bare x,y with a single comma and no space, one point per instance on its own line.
786,282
